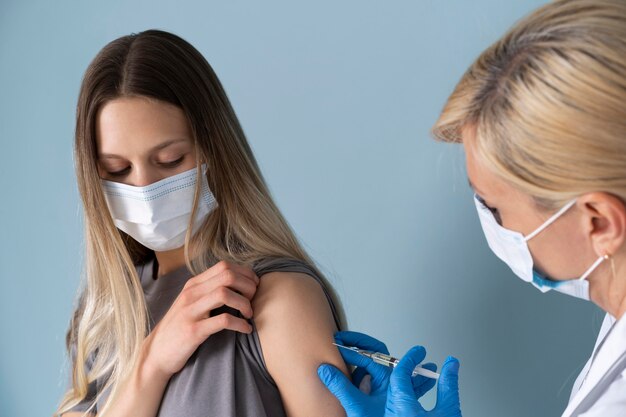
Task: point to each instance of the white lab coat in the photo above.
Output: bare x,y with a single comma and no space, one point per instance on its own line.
600,390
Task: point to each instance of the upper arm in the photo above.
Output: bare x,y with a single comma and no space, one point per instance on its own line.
296,326
76,414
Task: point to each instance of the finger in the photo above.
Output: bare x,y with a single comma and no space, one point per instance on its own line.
448,385
339,385
401,377
240,269
353,358
212,325
235,282
365,386
380,374
220,297
400,383
360,340
221,268
357,375
422,384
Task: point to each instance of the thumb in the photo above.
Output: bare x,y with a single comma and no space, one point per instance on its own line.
448,385
401,377
340,386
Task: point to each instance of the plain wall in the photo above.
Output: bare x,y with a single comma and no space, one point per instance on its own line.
337,99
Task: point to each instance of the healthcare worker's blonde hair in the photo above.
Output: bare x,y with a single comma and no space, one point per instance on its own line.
548,102
111,316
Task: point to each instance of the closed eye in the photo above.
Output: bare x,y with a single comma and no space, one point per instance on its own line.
482,202
172,164
119,173
493,210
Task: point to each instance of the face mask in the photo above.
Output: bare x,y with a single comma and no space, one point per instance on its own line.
511,247
157,215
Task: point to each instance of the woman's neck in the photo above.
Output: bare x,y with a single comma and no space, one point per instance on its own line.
170,260
620,305
613,290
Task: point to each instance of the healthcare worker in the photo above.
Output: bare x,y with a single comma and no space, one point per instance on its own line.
541,115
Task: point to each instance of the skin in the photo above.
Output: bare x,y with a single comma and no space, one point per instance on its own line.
593,227
141,141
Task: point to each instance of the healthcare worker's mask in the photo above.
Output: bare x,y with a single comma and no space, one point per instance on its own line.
511,247
157,215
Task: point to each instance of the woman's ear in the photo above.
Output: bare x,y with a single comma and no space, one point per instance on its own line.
605,217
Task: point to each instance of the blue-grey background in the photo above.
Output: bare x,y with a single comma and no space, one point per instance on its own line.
337,99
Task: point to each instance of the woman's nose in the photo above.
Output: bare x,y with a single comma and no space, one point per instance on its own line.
143,176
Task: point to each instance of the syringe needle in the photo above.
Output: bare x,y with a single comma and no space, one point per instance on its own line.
354,349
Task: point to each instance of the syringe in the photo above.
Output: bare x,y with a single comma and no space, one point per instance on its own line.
390,361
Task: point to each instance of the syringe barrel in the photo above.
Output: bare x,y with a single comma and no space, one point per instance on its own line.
384,359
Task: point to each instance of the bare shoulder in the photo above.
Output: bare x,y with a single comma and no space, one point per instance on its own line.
292,316
290,290
296,326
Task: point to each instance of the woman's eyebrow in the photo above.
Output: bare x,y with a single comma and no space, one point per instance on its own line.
158,147
168,143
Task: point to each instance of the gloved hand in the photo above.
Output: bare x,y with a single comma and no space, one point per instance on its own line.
370,403
401,401
355,402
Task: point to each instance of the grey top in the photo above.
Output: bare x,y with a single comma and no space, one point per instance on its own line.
226,375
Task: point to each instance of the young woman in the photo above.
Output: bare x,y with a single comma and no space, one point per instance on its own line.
198,299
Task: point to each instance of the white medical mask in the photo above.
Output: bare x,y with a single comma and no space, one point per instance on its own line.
512,248
157,215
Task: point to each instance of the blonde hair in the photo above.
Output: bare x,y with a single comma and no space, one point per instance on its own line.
547,102
111,317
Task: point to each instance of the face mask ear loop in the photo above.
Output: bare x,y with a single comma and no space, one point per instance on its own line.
550,220
594,266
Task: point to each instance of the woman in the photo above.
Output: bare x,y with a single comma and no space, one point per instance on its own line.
198,299
542,118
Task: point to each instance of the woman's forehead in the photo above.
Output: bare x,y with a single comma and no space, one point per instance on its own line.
481,178
131,124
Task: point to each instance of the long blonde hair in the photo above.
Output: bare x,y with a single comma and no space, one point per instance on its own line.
111,317
548,102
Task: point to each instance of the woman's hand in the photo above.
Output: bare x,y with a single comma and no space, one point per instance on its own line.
187,323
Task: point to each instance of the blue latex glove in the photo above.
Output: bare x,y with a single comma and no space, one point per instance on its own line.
400,399
355,402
